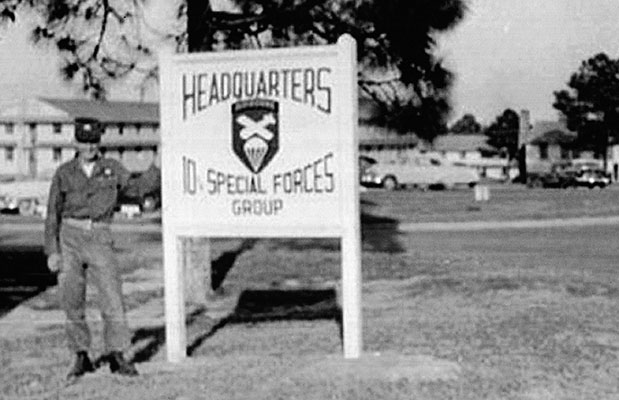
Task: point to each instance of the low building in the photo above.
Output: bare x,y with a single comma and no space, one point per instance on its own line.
473,151
463,148
549,142
36,135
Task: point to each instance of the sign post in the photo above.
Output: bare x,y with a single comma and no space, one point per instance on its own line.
261,143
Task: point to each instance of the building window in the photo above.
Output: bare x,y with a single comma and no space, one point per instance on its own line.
9,128
57,154
543,151
9,153
121,129
57,128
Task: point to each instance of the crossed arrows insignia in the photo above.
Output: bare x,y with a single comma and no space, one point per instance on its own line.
251,127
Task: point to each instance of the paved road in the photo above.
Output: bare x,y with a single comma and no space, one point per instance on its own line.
150,227
518,224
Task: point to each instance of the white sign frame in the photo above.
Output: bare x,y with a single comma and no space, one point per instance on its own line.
342,60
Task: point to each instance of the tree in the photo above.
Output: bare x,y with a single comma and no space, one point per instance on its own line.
104,40
467,125
503,132
591,103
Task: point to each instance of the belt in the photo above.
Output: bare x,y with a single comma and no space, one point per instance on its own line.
87,224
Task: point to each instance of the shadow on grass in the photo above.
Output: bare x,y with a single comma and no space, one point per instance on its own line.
154,338
254,306
24,275
268,305
150,340
224,263
380,234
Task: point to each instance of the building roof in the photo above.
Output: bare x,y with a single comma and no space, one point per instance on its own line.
131,112
551,132
391,141
462,143
371,135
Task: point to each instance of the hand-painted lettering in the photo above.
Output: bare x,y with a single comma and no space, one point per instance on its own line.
314,177
257,207
218,182
307,86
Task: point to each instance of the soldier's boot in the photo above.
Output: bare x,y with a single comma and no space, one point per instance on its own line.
119,365
81,366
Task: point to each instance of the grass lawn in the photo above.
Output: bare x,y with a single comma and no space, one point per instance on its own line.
498,314
507,202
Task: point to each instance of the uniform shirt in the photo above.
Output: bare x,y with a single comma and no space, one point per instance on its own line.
75,195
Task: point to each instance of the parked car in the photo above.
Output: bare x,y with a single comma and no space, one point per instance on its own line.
560,176
24,197
592,178
420,172
147,201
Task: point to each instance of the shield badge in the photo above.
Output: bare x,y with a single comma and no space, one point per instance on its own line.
255,132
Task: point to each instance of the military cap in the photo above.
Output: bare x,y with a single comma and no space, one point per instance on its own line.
88,130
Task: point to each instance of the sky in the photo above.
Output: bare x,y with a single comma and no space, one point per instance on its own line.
505,54
516,53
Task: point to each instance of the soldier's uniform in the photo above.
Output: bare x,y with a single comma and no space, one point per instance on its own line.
77,228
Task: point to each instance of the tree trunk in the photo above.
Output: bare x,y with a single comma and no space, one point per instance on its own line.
199,35
196,250
522,164
197,269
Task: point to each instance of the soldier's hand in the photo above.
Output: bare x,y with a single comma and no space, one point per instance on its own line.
54,262
157,159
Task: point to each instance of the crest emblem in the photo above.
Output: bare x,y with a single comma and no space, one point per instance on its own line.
255,132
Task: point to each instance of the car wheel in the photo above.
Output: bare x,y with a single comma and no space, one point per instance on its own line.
390,183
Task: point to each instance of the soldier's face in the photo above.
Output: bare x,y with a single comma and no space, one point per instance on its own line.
87,151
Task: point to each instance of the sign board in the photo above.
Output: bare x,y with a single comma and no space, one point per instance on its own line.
260,143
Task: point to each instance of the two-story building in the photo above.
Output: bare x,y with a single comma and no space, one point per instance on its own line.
36,135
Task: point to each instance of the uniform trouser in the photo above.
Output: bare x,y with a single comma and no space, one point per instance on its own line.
89,252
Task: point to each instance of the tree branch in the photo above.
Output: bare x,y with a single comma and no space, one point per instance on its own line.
106,11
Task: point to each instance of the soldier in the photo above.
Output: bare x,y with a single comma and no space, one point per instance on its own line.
78,242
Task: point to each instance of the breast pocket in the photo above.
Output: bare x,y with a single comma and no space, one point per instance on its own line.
107,182
106,189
